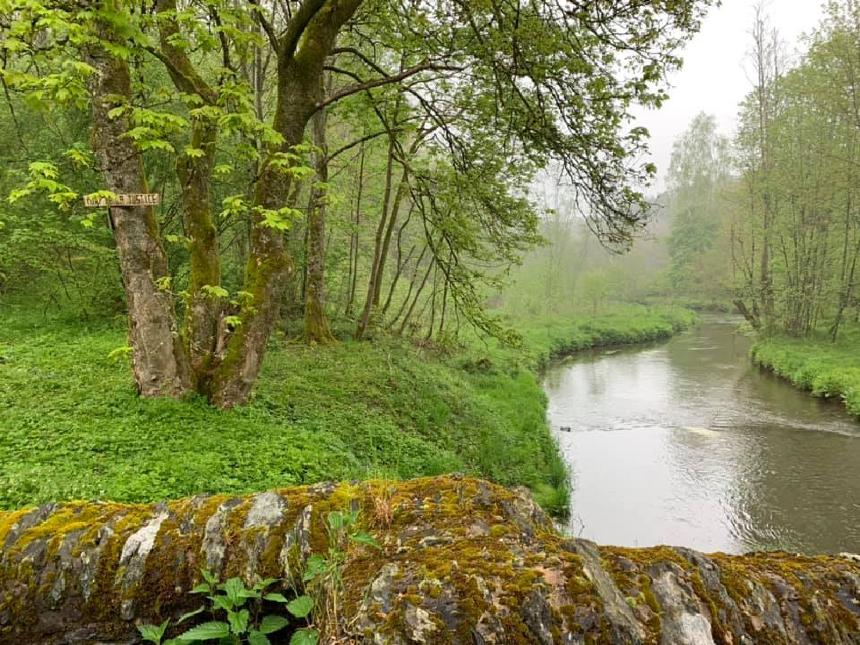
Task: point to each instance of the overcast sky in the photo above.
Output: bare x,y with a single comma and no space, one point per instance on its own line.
715,76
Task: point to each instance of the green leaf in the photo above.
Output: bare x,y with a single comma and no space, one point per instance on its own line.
365,538
239,621
276,597
222,602
44,169
315,567
265,582
190,614
305,637
336,520
272,623
212,630
209,577
221,292
301,606
258,638
153,633
234,586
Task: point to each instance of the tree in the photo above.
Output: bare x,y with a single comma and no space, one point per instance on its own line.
798,242
698,174
527,84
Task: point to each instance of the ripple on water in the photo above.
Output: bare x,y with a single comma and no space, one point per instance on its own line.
686,443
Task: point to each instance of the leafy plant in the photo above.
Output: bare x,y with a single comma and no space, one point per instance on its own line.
323,573
237,615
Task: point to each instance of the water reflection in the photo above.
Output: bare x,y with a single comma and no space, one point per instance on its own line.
687,443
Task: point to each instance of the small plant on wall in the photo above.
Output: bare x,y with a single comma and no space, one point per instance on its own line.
239,616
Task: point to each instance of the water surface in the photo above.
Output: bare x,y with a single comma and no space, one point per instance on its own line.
687,443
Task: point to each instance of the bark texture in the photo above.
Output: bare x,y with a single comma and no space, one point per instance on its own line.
462,561
300,74
317,328
159,358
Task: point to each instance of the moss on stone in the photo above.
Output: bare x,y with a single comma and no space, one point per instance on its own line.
459,559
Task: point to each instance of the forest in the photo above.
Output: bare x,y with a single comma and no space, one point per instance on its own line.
248,249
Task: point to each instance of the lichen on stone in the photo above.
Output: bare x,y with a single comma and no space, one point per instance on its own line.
460,561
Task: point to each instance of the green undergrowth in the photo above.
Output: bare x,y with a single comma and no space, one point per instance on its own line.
816,364
550,338
72,426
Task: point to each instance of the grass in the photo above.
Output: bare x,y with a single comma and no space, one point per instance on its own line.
816,364
549,338
72,426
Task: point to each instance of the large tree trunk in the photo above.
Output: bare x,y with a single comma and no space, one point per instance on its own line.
461,561
203,315
158,355
317,328
299,79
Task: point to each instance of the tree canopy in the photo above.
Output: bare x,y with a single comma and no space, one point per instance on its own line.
456,103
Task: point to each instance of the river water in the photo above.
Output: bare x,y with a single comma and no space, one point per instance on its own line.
687,443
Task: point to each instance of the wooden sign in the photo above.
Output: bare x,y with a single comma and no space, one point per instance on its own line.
129,200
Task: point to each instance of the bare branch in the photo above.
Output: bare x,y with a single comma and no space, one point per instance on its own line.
387,80
265,24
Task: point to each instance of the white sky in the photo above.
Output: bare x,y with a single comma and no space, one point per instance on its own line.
714,78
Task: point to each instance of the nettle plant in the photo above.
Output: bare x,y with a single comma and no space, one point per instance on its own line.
237,611
238,616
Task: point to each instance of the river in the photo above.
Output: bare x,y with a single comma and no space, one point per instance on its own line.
687,443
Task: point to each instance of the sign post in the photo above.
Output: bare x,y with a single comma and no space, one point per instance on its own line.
129,200
124,201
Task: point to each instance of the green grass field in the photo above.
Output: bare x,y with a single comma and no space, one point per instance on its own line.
72,426
816,364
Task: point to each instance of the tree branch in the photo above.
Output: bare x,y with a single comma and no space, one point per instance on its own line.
297,25
266,25
351,145
388,80
184,76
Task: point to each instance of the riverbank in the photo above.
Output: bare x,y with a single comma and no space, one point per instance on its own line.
816,364
74,428
549,339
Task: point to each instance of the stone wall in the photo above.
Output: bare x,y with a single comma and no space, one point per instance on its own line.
462,561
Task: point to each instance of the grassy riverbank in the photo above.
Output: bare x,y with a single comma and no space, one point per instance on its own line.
550,338
816,364
71,425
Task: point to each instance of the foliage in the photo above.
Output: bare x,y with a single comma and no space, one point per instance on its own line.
796,233
74,427
460,103
243,608
699,210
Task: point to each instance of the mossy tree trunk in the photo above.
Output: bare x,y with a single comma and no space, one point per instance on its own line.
300,75
317,328
159,358
219,361
460,561
194,170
